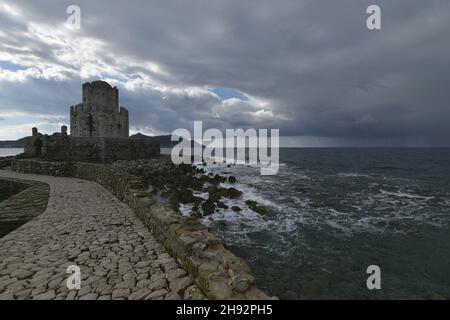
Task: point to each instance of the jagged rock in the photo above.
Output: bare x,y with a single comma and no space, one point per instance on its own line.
218,179
222,205
240,283
208,208
231,193
257,208
184,196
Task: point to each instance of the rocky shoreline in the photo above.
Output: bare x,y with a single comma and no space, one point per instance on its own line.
187,184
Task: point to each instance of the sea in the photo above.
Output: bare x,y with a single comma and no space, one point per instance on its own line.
333,213
6,152
336,212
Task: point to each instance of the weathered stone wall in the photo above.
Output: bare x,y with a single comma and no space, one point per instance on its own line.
57,169
219,273
128,149
124,123
79,121
59,147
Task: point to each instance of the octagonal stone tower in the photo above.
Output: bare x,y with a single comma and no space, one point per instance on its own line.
99,115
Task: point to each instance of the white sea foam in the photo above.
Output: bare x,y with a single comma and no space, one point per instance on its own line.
406,195
352,175
186,209
202,195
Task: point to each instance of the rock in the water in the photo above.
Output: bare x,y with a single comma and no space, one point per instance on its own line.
257,208
222,205
231,193
208,207
175,184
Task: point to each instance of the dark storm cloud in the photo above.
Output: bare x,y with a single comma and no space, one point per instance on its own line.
312,67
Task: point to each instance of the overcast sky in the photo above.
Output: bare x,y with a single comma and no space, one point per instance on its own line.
308,67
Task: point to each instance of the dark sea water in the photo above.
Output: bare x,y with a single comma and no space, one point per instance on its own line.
334,212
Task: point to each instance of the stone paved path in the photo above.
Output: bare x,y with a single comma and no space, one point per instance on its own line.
87,226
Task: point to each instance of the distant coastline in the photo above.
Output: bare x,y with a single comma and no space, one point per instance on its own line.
13,144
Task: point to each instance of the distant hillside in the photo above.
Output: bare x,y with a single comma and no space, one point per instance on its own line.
13,144
164,141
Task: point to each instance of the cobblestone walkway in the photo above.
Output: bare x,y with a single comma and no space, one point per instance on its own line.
87,226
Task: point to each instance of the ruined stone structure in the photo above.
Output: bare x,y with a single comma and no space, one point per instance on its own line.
99,132
99,114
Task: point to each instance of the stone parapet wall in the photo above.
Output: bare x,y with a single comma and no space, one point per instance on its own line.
59,147
216,270
58,169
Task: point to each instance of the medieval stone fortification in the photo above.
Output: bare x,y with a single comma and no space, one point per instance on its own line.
99,115
99,132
